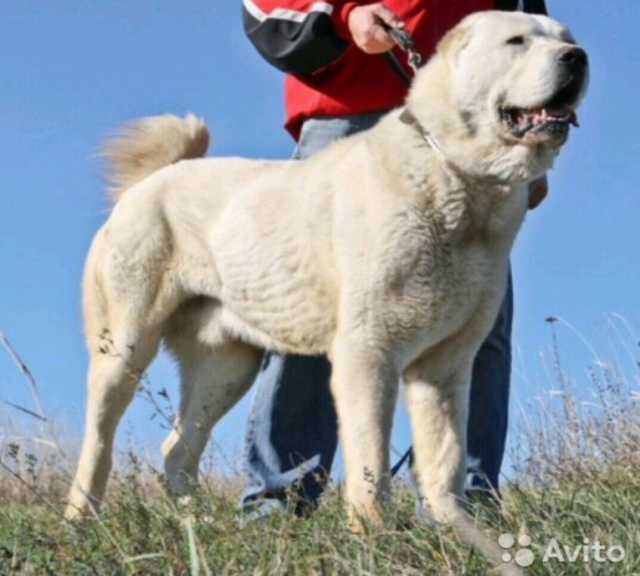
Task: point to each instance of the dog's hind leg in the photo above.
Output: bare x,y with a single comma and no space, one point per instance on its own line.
122,340
115,369
213,380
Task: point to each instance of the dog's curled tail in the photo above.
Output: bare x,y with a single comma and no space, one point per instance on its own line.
146,145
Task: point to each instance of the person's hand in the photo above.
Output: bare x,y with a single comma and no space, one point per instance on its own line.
366,26
538,190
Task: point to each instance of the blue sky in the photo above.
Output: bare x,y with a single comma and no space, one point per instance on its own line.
72,71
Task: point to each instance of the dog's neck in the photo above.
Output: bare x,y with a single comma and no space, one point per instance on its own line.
492,206
409,118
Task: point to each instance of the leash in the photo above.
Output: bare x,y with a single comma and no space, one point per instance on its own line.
408,455
407,44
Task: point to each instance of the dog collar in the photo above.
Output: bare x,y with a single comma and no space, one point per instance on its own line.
408,117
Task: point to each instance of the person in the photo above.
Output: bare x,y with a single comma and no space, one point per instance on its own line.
338,83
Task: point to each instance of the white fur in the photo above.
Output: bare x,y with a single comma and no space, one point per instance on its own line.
374,252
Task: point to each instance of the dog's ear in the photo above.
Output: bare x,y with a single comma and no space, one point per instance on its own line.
454,42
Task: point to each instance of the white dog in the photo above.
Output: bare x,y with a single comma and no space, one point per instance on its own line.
388,251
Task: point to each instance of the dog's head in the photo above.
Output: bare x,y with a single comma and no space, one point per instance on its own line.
506,85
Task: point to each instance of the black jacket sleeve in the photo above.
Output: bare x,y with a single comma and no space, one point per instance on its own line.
300,46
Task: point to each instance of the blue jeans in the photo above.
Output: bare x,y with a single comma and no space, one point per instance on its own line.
292,433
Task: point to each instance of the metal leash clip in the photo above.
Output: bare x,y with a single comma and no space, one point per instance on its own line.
406,43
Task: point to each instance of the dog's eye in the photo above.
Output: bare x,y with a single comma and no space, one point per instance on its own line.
516,40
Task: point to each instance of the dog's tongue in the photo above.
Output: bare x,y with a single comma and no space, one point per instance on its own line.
544,116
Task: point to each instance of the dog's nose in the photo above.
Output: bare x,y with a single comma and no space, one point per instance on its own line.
574,58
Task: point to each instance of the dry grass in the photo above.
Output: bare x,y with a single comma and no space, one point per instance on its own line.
578,482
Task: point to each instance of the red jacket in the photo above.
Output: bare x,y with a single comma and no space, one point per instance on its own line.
327,74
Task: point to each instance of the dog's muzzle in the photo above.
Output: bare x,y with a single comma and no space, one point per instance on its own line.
553,117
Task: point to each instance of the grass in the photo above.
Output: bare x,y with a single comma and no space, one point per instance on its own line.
578,485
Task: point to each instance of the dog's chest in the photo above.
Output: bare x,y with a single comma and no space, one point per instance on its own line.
431,281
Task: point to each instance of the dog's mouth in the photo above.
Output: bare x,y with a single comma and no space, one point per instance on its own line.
551,119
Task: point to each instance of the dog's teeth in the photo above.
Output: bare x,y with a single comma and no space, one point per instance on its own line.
522,121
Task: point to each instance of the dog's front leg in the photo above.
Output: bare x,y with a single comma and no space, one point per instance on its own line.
364,386
437,400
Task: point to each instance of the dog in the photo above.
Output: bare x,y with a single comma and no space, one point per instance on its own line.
388,251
